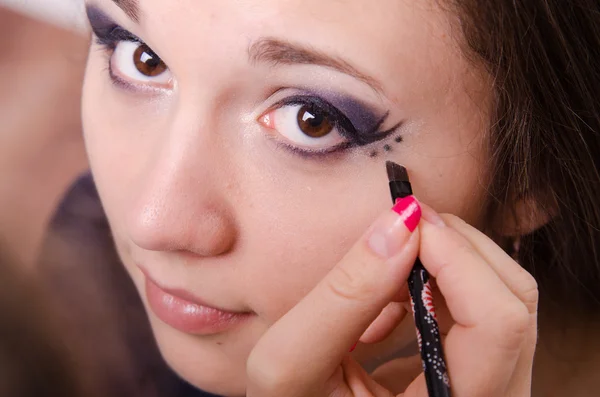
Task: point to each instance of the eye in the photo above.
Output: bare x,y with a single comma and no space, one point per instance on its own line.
310,125
305,125
136,64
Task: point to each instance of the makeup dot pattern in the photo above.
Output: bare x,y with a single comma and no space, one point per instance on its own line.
387,147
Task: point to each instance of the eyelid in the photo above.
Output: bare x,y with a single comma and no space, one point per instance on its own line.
115,34
341,120
346,127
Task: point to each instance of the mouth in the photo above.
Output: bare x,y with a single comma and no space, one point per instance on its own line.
183,311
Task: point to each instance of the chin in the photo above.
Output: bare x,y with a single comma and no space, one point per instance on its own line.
209,363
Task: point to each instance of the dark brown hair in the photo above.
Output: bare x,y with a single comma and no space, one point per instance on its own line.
544,60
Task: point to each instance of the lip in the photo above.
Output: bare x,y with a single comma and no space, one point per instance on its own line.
183,311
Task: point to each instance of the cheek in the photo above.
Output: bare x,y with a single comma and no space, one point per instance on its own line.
447,148
300,228
120,136
457,171
458,187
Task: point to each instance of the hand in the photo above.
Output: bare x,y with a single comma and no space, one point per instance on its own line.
490,302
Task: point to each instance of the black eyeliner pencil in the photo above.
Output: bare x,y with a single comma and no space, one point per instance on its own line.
428,333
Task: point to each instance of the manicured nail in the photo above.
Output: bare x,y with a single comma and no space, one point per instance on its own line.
391,231
353,347
410,212
431,216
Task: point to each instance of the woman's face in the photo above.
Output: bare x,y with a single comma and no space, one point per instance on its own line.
241,165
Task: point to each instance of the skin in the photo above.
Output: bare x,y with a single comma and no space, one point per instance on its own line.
201,198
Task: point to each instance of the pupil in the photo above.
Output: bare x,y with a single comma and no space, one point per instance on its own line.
147,63
313,122
152,62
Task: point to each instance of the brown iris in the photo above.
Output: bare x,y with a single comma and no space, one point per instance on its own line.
313,122
147,62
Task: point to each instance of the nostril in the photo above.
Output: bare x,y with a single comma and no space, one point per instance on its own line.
214,235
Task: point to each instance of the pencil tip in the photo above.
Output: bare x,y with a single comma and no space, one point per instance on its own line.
396,172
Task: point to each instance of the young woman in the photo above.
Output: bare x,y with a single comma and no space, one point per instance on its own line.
239,152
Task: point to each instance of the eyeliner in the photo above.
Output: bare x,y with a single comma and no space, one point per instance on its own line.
428,333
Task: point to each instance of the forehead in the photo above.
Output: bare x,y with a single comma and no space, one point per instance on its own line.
326,11
383,37
350,20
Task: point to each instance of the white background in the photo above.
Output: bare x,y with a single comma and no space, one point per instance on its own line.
66,13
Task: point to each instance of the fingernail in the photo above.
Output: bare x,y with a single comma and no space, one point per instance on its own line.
392,230
431,216
410,212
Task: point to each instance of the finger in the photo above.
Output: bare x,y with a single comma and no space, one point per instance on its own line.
360,382
303,348
397,374
519,281
522,376
402,295
418,388
385,323
482,349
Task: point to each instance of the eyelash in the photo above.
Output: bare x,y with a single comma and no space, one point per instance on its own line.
341,122
110,37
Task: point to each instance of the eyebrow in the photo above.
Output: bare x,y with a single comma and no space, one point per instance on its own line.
277,52
130,8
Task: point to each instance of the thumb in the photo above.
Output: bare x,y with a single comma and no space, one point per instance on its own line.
305,347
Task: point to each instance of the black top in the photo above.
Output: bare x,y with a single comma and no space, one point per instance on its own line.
103,315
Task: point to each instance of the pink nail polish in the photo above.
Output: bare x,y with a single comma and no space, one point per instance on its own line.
410,211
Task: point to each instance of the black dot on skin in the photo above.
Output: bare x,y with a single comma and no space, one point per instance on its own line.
387,148
398,139
373,154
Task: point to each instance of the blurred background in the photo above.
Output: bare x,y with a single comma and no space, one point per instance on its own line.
71,323
66,13
43,45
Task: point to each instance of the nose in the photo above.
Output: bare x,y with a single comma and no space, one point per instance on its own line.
181,202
